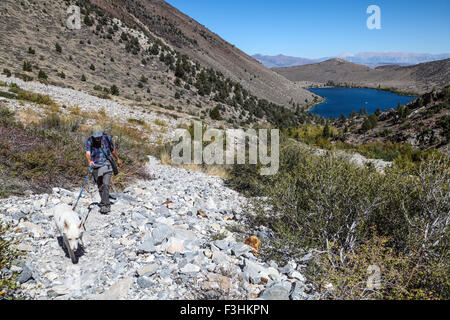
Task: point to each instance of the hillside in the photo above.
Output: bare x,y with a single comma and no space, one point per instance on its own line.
154,55
423,123
208,48
419,78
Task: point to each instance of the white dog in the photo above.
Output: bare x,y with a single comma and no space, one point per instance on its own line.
69,224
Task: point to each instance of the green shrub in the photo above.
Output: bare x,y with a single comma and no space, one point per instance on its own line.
327,203
215,114
27,66
137,121
401,276
7,72
42,75
54,121
7,95
8,256
23,76
369,123
34,97
326,133
88,21
444,124
58,47
114,90
6,116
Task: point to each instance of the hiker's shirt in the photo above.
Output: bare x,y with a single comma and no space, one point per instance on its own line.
98,156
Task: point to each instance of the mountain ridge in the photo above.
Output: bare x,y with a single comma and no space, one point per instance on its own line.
419,78
370,59
200,43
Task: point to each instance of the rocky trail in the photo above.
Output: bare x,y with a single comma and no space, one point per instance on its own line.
166,238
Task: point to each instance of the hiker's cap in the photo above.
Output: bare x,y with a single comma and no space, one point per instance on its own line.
98,132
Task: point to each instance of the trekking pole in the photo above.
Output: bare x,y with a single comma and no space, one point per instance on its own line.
81,192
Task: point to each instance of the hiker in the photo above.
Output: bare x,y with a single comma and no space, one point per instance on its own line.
99,148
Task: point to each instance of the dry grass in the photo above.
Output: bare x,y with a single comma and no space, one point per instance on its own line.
165,159
29,116
100,115
217,171
192,166
160,123
212,170
52,108
142,123
75,110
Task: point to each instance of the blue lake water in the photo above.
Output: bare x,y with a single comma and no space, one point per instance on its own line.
340,101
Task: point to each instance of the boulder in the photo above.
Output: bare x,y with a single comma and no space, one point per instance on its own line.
145,282
190,268
148,270
147,246
275,291
117,290
175,245
161,232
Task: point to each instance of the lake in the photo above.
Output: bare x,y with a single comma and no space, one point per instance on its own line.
340,101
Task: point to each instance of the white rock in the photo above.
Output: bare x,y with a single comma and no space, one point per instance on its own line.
190,268
175,245
24,247
117,290
297,275
36,230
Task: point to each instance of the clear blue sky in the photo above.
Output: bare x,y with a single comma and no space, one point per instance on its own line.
321,28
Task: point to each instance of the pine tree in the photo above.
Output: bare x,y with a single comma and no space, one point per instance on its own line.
114,90
326,133
27,66
42,75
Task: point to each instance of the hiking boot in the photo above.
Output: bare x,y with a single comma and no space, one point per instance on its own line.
105,209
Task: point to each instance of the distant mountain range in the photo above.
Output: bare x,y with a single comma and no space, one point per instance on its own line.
420,78
370,59
280,61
